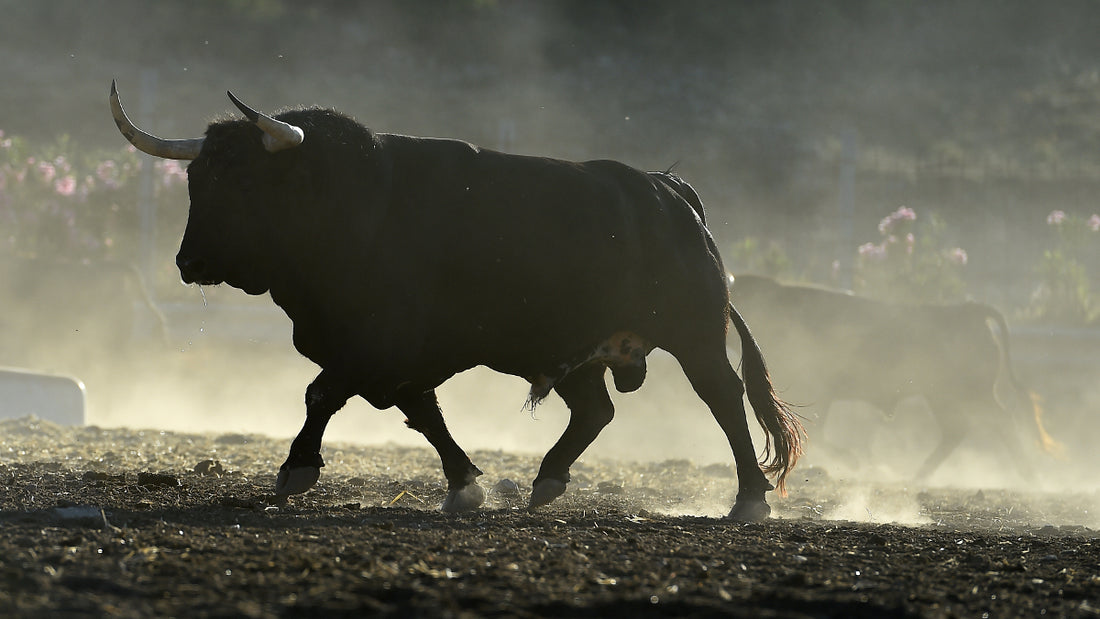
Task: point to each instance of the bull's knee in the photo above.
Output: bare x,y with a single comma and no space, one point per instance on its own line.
590,421
430,427
327,393
597,417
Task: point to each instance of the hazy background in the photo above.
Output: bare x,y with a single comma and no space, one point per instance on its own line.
801,124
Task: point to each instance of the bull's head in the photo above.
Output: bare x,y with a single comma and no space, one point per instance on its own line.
225,234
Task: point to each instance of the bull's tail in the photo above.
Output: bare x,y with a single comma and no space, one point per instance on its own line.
783,432
1046,441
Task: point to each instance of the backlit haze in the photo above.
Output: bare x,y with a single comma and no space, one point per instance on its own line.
802,125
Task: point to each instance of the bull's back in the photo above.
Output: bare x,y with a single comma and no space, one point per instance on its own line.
557,255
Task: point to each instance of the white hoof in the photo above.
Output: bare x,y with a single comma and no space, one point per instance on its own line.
748,510
464,499
296,480
545,491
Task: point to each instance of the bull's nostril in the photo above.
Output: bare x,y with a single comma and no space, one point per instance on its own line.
191,269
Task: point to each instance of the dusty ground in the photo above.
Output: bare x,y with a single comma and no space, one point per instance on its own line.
98,522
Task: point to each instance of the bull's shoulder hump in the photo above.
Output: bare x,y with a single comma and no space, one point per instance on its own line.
440,145
425,145
610,166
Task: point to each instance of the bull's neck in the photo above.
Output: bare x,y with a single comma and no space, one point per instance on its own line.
321,298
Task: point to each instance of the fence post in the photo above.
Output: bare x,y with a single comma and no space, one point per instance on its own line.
846,207
145,322
147,205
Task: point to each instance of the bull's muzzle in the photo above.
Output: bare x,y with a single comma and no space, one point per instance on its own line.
193,270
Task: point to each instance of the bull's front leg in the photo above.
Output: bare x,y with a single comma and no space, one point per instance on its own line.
324,396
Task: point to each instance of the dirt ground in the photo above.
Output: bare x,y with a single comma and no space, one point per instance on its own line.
128,523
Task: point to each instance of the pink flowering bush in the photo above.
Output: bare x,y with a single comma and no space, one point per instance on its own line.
1064,292
909,262
58,203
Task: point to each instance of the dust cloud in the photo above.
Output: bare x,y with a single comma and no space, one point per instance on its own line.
981,114
860,506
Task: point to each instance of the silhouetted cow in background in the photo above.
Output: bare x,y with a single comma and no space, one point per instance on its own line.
825,345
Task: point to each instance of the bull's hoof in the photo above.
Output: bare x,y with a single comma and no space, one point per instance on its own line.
464,499
750,510
296,480
545,491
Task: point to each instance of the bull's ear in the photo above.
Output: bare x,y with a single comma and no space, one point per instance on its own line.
278,135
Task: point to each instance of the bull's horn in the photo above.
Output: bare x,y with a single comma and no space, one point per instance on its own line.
278,135
148,143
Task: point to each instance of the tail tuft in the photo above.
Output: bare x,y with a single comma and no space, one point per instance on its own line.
1049,444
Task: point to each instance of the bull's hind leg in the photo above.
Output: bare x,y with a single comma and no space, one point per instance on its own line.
716,382
959,416
424,416
590,409
953,429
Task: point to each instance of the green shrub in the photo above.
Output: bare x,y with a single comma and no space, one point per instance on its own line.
1064,294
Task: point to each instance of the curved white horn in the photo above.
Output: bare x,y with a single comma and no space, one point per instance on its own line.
278,135
148,143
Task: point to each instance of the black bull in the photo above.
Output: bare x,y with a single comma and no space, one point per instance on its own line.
402,261
825,345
